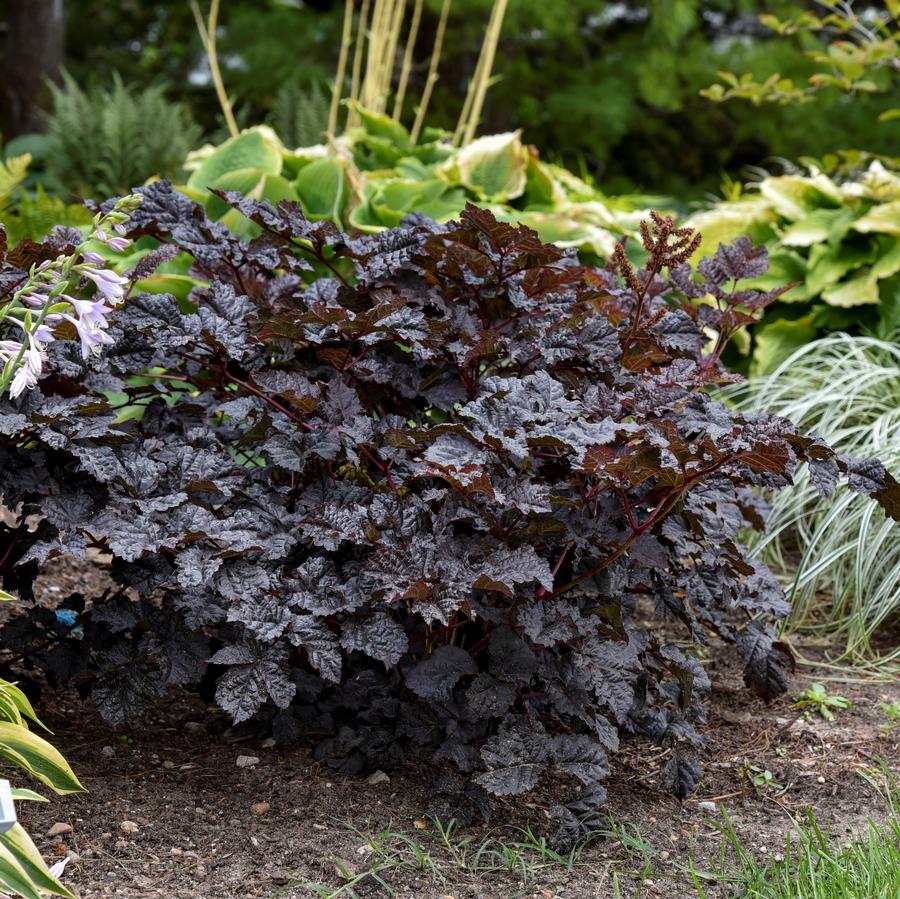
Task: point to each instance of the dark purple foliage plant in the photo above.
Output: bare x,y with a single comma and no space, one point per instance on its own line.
435,487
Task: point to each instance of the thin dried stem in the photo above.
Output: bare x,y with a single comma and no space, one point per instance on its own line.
375,40
338,87
358,52
407,60
489,50
432,78
210,45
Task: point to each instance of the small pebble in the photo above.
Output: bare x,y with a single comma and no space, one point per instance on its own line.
108,752
377,777
247,761
706,806
58,829
129,827
820,779
268,743
260,808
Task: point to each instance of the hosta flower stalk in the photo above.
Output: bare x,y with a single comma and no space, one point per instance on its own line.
48,297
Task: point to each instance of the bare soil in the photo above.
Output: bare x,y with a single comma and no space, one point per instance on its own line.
204,828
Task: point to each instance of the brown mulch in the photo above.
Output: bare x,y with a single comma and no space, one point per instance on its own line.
207,829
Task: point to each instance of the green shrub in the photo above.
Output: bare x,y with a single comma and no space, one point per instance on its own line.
31,214
105,141
838,237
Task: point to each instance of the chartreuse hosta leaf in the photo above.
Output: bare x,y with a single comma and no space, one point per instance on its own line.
795,196
257,149
882,219
378,125
820,226
493,168
24,795
776,340
14,704
38,757
386,204
17,849
6,597
826,265
840,240
323,189
861,290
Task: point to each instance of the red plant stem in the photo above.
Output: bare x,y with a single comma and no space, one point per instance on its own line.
384,469
628,510
562,556
272,402
663,507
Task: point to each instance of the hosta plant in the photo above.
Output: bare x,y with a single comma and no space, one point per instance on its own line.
373,175
440,488
836,240
22,870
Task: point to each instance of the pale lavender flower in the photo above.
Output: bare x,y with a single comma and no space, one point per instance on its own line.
29,371
9,349
23,380
34,299
119,243
93,339
111,285
93,258
43,334
92,311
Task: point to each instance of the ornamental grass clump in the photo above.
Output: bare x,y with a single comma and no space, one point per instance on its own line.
432,489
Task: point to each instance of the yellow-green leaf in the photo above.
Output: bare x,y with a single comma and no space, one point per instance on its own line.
776,341
14,877
22,703
36,756
20,845
795,197
883,219
859,291
258,148
382,126
20,794
493,168
828,265
323,189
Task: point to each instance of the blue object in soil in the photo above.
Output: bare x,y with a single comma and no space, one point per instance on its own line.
66,617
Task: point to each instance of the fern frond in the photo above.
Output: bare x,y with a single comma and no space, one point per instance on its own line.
106,140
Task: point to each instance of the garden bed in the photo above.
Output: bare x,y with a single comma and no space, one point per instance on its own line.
208,829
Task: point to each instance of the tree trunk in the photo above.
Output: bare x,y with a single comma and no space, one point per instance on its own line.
34,53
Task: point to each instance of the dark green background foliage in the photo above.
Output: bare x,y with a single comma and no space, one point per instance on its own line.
610,87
